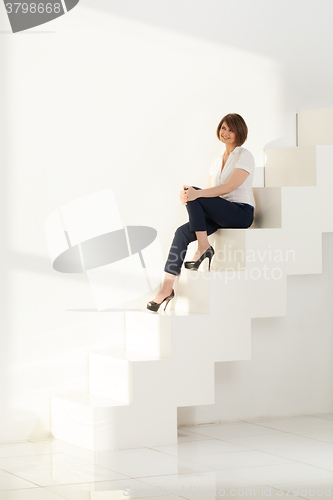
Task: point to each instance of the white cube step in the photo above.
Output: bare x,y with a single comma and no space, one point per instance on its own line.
315,127
97,424
111,373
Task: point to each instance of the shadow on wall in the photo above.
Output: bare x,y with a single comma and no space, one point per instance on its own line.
252,22
4,250
87,235
268,207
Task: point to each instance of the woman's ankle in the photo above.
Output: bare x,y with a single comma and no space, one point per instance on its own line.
167,287
204,247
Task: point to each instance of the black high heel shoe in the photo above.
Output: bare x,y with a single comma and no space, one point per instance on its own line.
154,306
194,264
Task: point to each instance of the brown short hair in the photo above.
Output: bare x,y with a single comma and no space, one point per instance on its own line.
237,124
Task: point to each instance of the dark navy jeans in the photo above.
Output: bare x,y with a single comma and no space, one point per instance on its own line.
206,214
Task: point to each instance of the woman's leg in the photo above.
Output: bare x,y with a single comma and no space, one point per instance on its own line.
166,289
222,212
183,236
206,215
203,244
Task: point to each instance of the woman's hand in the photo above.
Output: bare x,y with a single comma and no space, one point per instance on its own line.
183,197
188,194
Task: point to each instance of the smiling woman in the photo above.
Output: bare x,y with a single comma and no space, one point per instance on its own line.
226,202
232,128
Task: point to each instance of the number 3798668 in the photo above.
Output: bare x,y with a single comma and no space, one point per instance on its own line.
33,8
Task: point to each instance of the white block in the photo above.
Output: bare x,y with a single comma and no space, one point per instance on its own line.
290,167
315,127
110,377
111,373
268,209
100,424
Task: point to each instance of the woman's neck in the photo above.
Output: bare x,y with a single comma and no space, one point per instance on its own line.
229,149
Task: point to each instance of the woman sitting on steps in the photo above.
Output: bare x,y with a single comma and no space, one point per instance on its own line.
227,202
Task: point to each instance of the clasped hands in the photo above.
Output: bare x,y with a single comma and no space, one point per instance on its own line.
188,193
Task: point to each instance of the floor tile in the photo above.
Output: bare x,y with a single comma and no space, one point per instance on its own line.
254,492
249,458
270,474
32,494
318,461
266,492
295,424
310,489
287,445
22,449
183,435
30,463
328,416
190,450
141,462
225,430
68,449
85,473
197,486
10,482
264,456
325,435
111,490
217,454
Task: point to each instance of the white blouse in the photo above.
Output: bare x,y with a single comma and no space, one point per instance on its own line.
238,158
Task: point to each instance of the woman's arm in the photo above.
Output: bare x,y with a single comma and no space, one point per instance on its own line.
235,179
209,182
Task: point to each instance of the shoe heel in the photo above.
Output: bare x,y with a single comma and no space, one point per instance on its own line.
167,302
194,265
205,264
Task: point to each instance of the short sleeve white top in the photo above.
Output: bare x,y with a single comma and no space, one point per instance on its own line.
238,158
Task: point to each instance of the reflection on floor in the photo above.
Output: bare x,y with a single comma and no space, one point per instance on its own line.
276,458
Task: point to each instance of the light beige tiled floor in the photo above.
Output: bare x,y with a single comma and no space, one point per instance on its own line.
264,458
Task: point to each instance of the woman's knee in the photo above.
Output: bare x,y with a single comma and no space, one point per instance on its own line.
183,232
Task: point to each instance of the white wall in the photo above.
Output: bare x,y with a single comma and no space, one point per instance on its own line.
95,100
297,35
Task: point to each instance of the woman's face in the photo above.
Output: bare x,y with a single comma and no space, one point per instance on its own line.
227,136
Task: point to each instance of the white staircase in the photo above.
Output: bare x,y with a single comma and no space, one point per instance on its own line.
169,357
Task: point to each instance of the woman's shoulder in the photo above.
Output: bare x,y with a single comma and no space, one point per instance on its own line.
245,160
245,155
245,152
